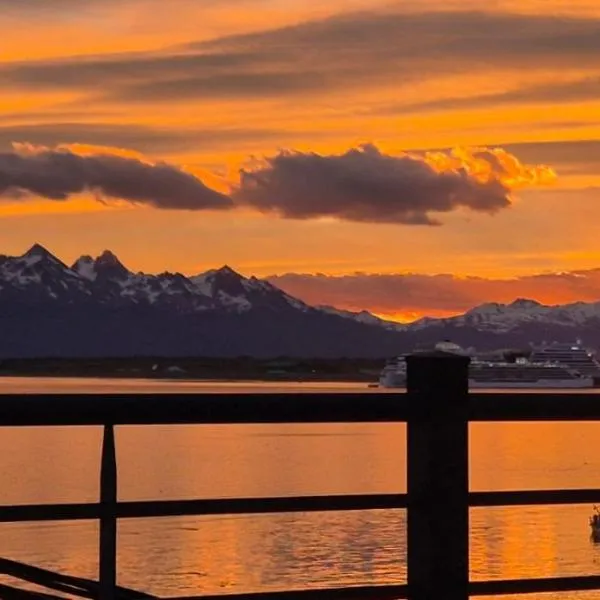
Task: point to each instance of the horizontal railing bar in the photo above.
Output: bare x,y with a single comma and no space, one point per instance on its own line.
371,592
49,512
217,506
223,506
155,409
537,585
532,406
534,497
476,588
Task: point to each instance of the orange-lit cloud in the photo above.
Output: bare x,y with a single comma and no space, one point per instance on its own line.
405,296
348,51
364,184
208,83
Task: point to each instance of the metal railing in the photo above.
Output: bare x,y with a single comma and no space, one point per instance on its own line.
437,409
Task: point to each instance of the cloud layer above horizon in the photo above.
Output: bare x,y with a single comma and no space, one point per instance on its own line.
291,136
340,52
362,184
411,296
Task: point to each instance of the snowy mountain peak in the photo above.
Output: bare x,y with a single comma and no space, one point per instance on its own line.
107,261
497,309
37,250
38,253
525,303
226,273
108,258
84,267
106,266
38,276
363,316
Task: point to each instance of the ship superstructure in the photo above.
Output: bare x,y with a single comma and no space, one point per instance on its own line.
571,355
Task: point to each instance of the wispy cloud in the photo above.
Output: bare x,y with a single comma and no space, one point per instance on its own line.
346,51
558,92
144,138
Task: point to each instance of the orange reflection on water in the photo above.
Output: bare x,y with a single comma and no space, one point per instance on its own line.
194,555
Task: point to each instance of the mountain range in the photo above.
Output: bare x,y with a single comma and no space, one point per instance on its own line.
98,307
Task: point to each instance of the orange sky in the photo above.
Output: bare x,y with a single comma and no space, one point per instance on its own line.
207,85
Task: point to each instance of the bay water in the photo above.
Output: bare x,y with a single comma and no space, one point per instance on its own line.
231,554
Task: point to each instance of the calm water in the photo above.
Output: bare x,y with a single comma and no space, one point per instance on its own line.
177,556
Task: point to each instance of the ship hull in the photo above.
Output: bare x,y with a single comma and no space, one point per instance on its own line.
393,380
399,381
557,384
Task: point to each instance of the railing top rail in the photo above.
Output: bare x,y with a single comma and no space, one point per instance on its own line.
230,408
240,408
535,406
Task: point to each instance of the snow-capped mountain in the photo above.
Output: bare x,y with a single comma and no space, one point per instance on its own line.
229,289
97,306
364,316
112,283
40,276
503,318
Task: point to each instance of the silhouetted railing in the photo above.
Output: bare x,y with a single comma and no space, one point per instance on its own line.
437,409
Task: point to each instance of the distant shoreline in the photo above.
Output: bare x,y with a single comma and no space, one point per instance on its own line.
329,379
198,369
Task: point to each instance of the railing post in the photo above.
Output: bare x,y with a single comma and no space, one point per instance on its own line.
438,476
108,516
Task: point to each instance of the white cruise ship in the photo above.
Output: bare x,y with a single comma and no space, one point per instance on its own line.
393,374
573,356
523,373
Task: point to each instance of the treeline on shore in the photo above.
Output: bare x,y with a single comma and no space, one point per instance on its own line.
283,368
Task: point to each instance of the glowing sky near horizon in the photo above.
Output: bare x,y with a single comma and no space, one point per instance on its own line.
290,92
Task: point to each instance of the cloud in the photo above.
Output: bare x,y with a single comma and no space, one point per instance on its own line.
570,157
571,152
565,156
351,50
147,139
565,92
364,184
419,295
58,174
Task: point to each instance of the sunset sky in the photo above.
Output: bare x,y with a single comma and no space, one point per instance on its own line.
410,158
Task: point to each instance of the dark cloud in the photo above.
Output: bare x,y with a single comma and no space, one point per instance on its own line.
363,184
436,294
58,174
346,51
